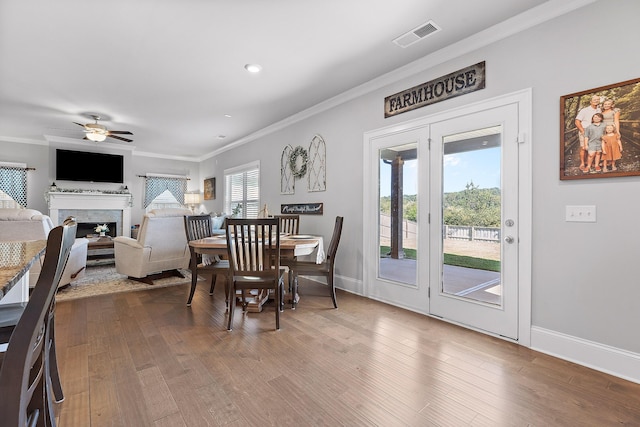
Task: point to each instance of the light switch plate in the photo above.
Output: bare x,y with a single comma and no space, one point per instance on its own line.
580,214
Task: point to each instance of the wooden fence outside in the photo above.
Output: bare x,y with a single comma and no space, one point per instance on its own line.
460,232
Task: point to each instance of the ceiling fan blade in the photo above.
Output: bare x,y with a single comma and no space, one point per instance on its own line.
120,138
121,132
79,124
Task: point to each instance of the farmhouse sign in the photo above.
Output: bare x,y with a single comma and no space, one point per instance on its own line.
302,208
463,81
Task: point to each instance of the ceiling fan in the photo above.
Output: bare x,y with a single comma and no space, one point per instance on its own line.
98,133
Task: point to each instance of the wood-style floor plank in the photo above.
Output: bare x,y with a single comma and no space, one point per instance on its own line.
146,359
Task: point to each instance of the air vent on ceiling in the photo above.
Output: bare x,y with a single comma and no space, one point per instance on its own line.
417,34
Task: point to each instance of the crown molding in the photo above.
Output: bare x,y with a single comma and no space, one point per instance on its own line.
23,140
535,16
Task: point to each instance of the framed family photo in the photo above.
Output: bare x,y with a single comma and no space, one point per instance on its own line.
600,132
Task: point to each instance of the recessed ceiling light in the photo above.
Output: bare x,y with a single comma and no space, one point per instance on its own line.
253,68
228,116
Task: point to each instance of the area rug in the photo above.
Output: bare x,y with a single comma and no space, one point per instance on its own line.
103,279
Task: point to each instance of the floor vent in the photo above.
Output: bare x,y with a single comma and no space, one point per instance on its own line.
417,34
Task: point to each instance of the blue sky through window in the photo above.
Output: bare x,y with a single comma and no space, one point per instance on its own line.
480,166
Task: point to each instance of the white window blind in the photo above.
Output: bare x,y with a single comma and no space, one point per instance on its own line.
242,190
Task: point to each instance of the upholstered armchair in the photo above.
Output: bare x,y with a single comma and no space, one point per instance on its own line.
30,224
161,245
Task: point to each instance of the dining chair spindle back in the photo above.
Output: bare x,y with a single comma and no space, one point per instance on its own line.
310,268
253,247
200,227
289,224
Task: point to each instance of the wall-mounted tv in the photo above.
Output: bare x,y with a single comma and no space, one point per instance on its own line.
89,167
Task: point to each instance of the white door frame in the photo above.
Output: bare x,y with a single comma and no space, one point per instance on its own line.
523,99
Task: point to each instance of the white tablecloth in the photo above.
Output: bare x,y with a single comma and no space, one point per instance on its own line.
311,252
306,252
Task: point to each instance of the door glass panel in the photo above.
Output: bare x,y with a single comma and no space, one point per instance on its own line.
471,215
398,213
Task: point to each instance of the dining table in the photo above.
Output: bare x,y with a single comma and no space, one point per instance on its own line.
291,246
16,258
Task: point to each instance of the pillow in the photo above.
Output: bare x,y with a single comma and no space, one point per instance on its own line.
218,221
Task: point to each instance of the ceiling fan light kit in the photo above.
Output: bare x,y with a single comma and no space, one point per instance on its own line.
98,133
96,137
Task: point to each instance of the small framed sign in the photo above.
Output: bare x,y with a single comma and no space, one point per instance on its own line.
302,208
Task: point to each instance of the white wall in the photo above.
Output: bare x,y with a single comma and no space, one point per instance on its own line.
585,286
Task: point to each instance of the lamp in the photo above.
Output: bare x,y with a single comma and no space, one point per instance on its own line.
192,200
96,137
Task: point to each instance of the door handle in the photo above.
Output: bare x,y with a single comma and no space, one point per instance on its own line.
509,239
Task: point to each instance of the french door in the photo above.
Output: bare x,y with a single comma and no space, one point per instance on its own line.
396,240
446,197
474,220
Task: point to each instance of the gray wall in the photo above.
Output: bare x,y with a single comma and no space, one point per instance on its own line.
42,158
584,278
584,282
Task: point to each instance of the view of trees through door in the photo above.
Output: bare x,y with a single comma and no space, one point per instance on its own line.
471,215
471,218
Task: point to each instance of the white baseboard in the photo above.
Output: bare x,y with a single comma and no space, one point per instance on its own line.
610,360
614,361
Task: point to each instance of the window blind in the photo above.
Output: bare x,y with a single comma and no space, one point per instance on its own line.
242,190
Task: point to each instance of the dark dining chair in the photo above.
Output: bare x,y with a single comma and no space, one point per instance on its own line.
310,268
199,227
253,246
289,224
25,374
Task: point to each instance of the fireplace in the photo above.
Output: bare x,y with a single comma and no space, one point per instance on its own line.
89,228
93,208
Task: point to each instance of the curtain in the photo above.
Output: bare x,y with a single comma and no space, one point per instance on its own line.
13,181
155,185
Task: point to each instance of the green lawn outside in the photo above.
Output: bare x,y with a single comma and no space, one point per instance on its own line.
451,259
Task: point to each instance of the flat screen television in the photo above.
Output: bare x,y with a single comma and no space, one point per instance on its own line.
89,167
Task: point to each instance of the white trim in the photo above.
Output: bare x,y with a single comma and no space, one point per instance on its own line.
523,99
22,140
532,17
604,358
242,168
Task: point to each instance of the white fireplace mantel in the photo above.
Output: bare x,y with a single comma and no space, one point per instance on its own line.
90,201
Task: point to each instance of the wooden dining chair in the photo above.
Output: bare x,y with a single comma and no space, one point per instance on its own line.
25,374
253,246
289,224
310,268
199,227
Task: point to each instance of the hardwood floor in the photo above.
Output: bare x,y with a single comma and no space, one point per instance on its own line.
146,359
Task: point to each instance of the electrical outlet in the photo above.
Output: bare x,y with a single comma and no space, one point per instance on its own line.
580,214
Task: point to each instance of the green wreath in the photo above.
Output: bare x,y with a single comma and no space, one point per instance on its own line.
293,162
